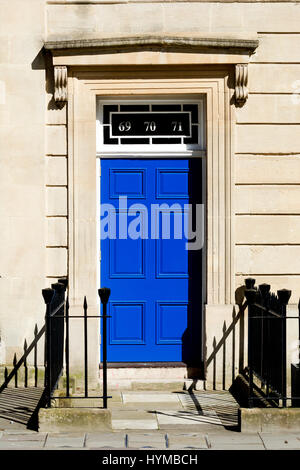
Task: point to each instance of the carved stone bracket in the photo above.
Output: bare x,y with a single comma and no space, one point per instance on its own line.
241,82
60,85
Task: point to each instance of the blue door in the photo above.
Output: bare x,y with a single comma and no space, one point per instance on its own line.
155,281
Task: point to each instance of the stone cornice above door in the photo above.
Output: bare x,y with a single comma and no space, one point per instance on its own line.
155,49
207,43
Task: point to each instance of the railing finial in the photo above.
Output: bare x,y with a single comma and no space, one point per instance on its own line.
48,295
249,283
284,296
264,289
64,281
104,294
59,287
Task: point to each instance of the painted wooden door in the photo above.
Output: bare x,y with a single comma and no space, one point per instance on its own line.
155,281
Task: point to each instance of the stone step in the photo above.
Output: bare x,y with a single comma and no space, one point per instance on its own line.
137,373
154,384
137,410
150,378
140,378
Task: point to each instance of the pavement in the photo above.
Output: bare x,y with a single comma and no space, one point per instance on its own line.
146,420
13,439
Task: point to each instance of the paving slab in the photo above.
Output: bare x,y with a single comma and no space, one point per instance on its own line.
21,445
65,440
186,441
145,406
18,404
232,440
204,399
185,418
6,423
243,446
65,449
282,441
105,440
26,437
21,432
154,440
150,397
133,419
222,405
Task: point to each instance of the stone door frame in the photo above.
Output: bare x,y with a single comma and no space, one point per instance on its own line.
83,88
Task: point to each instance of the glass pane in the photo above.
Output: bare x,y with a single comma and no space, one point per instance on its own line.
194,110
166,107
194,138
107,109
106,138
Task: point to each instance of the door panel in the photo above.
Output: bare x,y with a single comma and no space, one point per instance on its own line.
156,283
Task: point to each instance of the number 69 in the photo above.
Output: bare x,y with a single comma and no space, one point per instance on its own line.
125,126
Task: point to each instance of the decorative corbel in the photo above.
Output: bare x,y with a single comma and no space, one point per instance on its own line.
60,85
241,82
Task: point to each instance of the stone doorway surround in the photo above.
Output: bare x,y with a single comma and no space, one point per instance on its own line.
150,65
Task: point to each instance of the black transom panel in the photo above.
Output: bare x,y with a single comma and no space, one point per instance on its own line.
150,124
162,124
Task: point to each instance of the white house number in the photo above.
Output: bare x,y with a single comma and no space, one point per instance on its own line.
150,126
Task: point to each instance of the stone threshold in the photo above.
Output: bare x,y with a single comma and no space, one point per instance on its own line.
145,365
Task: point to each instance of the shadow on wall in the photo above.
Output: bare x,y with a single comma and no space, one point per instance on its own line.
22,385
226,352
21,374
44,61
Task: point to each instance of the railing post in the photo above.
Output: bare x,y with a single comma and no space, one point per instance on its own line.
64,281
283,297
299,331
35,356
264,290
104,294
57,332
25,365
250,295
67,350
48,295
85,336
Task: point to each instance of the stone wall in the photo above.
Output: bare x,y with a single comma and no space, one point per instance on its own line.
33,143
22,172
267,146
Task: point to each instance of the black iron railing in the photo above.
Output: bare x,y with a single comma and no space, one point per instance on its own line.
267,342
19,376
58,339
54,339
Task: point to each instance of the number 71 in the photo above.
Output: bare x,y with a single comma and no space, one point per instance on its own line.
176,126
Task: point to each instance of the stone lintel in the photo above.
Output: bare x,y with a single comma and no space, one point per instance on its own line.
167,42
